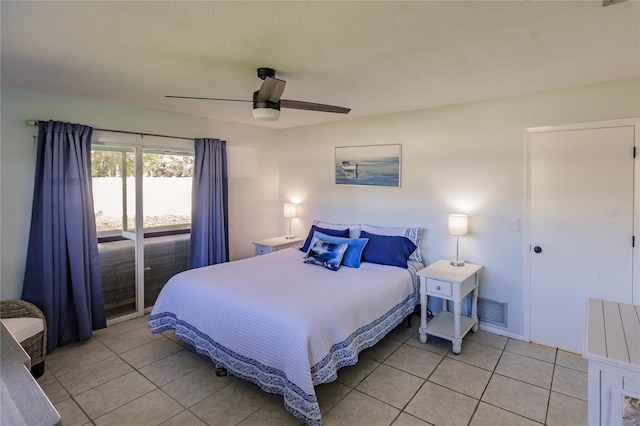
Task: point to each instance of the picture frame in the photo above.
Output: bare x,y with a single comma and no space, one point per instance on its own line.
368,165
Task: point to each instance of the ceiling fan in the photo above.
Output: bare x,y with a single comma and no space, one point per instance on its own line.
267,102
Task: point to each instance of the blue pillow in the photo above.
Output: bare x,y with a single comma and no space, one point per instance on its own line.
354,252
333,232
326,254
387,249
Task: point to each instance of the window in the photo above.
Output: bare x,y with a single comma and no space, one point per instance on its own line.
166,189
113,173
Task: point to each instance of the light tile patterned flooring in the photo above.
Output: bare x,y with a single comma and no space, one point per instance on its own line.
124,376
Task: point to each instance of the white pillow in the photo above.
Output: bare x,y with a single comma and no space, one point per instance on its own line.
414,234
354,228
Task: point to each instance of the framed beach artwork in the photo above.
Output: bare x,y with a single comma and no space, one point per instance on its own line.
369,165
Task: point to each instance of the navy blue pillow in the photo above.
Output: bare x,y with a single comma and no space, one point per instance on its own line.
332,232
387,249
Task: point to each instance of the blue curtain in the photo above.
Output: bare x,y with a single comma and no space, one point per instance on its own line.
209,216
62,274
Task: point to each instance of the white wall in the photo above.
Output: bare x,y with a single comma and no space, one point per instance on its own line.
253,167
457,159
463,158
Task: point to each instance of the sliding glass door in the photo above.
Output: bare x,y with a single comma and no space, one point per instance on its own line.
142,200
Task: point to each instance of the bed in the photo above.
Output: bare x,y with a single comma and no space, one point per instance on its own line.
283,324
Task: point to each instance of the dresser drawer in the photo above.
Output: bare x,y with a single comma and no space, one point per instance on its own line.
260,249
439,288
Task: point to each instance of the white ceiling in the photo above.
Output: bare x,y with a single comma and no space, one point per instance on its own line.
374,57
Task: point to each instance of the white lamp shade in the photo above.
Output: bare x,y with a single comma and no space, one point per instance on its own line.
458,224
290,211
266,114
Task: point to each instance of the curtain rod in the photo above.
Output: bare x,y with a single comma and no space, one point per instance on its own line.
35,123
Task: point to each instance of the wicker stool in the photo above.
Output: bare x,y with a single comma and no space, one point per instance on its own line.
35,345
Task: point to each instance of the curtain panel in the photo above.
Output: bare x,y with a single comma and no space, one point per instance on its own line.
209,217
62,275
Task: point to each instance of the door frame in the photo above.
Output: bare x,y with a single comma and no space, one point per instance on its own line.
526,249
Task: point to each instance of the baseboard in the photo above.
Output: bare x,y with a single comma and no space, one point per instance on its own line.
501,332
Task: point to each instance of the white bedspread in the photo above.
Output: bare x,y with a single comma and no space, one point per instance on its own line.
283,324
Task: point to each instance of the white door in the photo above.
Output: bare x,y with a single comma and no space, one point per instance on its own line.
581,228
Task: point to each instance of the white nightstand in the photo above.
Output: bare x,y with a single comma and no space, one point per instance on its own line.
274,244
453,283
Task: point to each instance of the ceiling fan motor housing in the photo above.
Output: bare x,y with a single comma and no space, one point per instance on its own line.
264,103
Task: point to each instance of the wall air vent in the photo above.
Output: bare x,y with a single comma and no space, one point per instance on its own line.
492,312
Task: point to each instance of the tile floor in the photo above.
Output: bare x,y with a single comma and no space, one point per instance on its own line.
126,376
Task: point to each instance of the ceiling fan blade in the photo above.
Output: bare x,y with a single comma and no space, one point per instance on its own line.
271,89
207,99
310,106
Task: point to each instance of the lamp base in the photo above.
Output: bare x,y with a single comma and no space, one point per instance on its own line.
289,237
457,262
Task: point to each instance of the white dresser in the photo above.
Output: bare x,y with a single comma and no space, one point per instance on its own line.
612,347
278,243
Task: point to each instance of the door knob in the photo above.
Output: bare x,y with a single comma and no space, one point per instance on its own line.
537,249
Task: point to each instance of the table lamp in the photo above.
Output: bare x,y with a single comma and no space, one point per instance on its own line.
458,226
290,211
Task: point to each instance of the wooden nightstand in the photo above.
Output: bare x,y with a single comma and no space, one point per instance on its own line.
453,283
274,244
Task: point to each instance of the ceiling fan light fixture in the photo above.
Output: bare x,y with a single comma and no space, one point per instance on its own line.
266,114
265,110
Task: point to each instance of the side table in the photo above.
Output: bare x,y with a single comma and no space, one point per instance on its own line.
274,244
448,282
